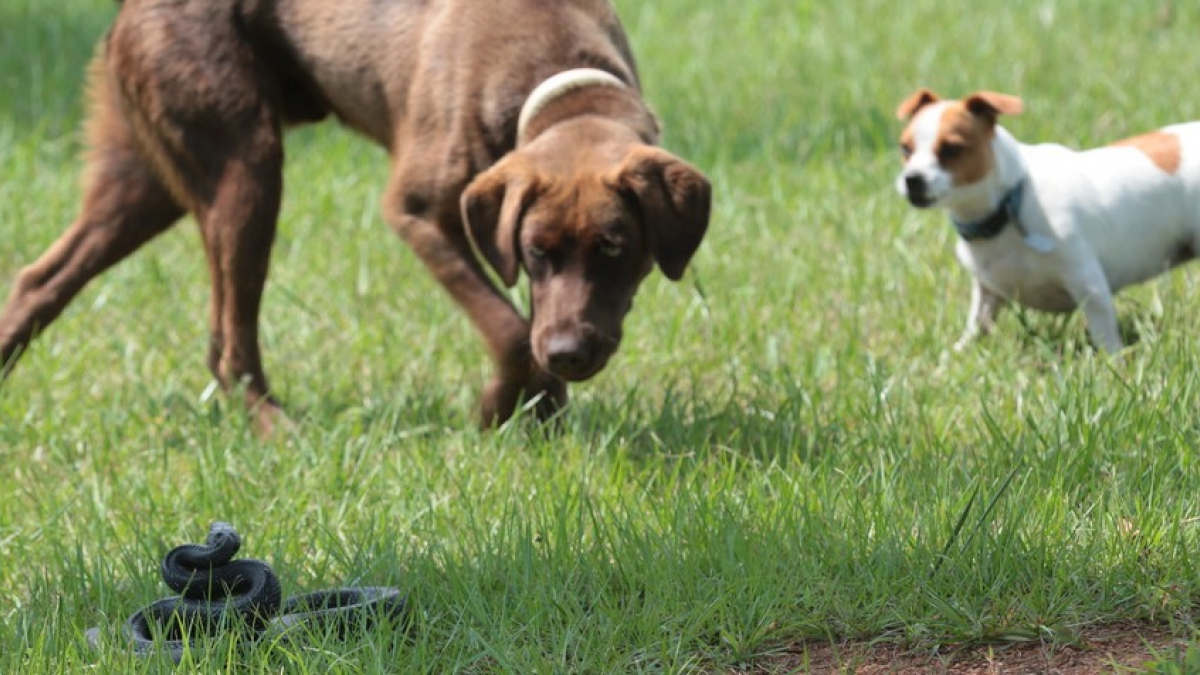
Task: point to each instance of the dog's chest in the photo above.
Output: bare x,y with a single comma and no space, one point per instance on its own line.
1008,267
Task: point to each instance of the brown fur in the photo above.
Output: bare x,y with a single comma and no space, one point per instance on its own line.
973,134
189,100
969,124
914,102
1162,148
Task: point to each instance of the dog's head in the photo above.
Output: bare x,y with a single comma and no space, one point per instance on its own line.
587,222
947,145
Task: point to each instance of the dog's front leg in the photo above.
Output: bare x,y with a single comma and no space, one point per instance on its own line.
985,307
1091,292
437,236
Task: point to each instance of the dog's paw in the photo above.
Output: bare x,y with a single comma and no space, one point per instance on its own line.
270,422
545,394
551,398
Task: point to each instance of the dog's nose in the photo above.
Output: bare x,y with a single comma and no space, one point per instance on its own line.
914,183
569,355
916,189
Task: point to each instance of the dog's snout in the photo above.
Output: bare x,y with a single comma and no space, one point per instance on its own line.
914,183
569,355
916,188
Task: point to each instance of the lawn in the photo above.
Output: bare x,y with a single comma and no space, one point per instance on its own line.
784,454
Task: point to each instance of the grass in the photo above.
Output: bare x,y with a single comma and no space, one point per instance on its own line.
784,450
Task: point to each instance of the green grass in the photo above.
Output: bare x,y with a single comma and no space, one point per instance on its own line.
784,450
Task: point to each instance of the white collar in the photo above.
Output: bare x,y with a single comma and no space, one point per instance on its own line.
557,85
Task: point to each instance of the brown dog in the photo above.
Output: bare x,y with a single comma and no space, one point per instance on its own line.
189,100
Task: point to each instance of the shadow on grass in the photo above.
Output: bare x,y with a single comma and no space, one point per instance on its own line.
776,423
1060,335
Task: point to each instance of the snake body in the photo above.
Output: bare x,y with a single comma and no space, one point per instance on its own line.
219,594
215,592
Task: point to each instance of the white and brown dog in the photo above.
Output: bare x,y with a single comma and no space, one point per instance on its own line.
1045,226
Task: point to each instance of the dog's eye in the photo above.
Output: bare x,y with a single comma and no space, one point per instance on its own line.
906,149
949,151
611,249
537,252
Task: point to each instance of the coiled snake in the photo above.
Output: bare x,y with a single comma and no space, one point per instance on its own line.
219,594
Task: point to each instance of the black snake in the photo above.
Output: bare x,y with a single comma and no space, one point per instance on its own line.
219,594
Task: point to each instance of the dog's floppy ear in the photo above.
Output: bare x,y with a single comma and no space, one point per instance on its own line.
492,208
917,100
990,105
674,200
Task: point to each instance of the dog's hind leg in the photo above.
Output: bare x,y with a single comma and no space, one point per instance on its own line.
1091,291
206,113
238,225
124,206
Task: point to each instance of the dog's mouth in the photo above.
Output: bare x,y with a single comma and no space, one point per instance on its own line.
578,375
577,371
921,201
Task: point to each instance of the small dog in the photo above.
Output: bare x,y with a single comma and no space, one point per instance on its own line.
516,129
1045,226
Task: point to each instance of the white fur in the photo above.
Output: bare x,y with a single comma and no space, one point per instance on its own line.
1113,216
923,161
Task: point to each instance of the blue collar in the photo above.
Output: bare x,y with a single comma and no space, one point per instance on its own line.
996,221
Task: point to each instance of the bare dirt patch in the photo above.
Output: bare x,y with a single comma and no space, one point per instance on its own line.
1108,649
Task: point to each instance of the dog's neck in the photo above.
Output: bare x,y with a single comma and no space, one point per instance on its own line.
552,101
978,201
